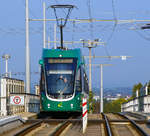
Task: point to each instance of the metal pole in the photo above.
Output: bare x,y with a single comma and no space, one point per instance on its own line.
27,50
61,34
90,83
48,42
44,26
10,74
101,91
6,68
55,31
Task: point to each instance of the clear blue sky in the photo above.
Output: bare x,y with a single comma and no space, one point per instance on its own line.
127,38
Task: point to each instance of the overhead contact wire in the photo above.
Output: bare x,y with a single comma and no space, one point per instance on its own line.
113,30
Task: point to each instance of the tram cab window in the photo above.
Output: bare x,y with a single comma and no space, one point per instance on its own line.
86,87
42,81
78,80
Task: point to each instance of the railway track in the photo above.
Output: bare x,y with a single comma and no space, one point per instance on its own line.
98,125
46,127
124,126
43,127
136,126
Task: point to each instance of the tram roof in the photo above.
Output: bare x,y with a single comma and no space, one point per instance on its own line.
57,53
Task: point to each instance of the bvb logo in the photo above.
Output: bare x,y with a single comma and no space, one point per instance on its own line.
60,104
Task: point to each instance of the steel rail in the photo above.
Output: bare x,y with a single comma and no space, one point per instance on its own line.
139,129
108,129
60,129
135,115
28,129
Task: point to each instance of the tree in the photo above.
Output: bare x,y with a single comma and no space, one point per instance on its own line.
149,88
91,102
136,87
96,106
113,106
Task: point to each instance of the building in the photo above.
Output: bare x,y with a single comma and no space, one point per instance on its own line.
37,89
111,98
8,86
14,99
141,103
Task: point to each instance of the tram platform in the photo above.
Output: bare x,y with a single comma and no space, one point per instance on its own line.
10,122
27,115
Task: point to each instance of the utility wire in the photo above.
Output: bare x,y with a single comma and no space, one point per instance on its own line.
31,11
113,30
115,24
91,23
141,35
90,17
19,31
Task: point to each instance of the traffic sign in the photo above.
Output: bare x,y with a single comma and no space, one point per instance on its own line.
17,100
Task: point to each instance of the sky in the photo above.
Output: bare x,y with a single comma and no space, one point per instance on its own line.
121,39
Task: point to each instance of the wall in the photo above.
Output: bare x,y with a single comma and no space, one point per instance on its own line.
138,104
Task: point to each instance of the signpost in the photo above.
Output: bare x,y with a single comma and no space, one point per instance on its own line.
84,114
17,100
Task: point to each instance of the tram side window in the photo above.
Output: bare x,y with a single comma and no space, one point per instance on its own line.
78,80
86,86
42,81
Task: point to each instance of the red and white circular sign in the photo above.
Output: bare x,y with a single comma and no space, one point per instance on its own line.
17,100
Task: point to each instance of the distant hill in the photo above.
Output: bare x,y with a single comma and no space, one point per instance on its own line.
124,91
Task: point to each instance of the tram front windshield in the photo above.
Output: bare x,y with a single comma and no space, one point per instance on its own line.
60,75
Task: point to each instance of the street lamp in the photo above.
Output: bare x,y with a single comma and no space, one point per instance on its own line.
101,89
61,21
6,57
91,44
147,26
101,71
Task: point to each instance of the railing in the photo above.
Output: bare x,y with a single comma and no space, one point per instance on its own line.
31,104
138,104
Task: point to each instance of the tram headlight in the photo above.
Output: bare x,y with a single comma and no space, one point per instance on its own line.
71,105
48,105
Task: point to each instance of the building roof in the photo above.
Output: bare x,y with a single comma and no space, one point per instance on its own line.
12,78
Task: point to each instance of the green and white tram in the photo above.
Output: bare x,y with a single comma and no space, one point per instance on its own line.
63,81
